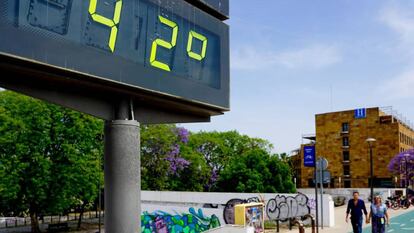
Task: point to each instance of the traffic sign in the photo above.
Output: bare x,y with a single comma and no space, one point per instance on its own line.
326,177
321,163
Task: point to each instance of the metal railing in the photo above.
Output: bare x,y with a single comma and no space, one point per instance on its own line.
11,222
313,222
300,225
388,110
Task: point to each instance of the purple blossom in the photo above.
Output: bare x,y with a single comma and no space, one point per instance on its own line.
214,176
397,164
175,150
176,163
183,134
213,179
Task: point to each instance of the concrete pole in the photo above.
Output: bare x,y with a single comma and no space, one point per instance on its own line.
315,171
122,177
321,182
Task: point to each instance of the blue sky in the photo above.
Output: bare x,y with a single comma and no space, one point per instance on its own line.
291,59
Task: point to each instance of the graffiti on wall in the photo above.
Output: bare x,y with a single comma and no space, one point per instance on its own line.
285,207
228,213
192,222
312,203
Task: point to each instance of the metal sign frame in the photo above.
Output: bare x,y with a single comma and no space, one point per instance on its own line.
122,106
175,101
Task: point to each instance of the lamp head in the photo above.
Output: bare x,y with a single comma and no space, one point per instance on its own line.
370,141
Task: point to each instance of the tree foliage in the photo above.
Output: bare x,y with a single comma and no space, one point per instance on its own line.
256,171
401,161
174,159
48,157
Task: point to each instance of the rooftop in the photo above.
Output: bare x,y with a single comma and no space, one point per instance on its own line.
388,110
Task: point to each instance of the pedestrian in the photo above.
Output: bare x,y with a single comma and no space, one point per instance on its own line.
356,206
379,216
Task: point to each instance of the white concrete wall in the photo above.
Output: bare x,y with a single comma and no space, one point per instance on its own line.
180,202
347,192
328,214
230,229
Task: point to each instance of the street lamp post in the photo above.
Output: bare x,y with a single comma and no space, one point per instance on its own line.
370,142
406,175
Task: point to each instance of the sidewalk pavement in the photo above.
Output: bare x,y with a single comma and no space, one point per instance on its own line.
341,226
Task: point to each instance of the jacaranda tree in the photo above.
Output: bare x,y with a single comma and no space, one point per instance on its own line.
403,164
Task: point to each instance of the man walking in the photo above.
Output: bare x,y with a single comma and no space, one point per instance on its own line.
355,207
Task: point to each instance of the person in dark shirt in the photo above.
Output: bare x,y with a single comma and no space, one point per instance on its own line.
356,206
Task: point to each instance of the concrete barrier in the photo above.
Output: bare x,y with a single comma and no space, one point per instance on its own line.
229,229
208,210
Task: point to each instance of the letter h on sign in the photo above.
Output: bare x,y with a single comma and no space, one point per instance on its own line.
360,113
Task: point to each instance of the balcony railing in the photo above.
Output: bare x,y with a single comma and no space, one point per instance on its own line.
397,116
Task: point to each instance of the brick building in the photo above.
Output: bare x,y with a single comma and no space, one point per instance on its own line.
341,138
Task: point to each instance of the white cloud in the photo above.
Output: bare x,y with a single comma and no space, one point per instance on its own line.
312,57
400,20
401,86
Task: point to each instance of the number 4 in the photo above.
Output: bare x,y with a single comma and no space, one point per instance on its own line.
112,23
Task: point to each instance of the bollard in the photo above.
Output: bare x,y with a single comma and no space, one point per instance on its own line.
300,225
313,222
277,226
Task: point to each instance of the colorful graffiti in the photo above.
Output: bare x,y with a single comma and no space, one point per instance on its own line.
192,222
312,203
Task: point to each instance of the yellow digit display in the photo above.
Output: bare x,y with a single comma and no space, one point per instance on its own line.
112,23
163,43
200,37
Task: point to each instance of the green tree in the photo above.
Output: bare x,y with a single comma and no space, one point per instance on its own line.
77,146
218,149
156,142
48,157
256,171
194,177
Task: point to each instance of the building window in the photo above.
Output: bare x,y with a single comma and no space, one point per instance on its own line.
345,127
347,183
311,183
347,170
345,141
345,155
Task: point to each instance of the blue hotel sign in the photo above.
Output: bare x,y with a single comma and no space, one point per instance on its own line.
309,156
360,113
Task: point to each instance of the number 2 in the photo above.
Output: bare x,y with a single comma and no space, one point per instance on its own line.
163,43
112,23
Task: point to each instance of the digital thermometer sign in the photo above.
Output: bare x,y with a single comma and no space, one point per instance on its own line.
168,47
